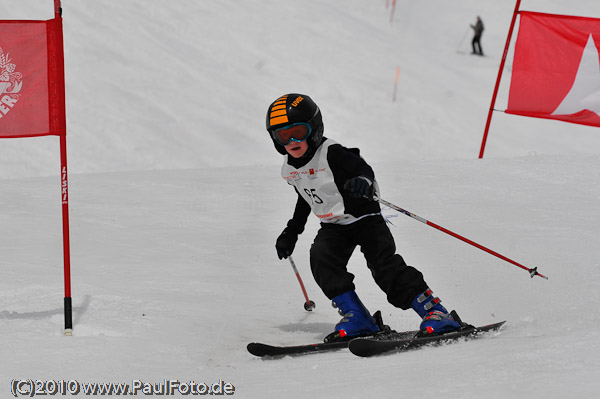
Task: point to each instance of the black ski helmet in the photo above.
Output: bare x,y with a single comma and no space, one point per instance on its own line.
294,108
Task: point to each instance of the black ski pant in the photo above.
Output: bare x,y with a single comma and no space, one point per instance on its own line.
476,44
333,246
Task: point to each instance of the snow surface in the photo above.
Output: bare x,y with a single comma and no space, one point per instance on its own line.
176,201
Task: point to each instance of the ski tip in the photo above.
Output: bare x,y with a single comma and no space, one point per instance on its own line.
256,349
500,324
368,347
360,347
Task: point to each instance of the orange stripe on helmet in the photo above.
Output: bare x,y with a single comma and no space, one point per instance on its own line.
279,119
279,112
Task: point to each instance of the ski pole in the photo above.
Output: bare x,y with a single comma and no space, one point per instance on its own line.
532,272
308,305
458,48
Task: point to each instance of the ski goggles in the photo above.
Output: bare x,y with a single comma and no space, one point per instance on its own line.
297,132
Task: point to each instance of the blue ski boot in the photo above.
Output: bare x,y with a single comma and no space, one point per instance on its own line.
356,321
436,319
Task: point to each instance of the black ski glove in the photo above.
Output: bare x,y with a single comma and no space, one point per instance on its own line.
286,243
359,187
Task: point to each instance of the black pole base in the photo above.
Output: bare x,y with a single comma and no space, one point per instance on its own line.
68,316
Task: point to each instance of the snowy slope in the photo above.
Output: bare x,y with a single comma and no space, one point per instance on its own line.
169,85
176,201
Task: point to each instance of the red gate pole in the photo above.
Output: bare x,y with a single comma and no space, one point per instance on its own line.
66,246
489,117
64,192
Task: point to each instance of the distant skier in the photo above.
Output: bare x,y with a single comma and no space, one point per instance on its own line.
337,185
477,32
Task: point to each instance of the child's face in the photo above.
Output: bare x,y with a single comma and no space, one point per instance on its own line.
296,149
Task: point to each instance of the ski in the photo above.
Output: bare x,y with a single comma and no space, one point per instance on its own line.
366,347
331,343
384,341
262,350
265,350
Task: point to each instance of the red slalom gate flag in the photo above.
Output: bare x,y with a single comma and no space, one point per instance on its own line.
556,69
32,102
31,79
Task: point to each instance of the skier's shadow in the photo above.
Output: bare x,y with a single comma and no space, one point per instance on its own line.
314,328
43,314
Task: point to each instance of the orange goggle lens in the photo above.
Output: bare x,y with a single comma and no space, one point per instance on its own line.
296,132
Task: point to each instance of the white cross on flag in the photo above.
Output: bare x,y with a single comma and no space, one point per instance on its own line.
556,69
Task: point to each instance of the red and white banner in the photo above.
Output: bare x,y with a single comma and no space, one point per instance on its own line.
31,79
556,68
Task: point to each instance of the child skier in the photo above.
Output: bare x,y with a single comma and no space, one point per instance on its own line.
338,186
